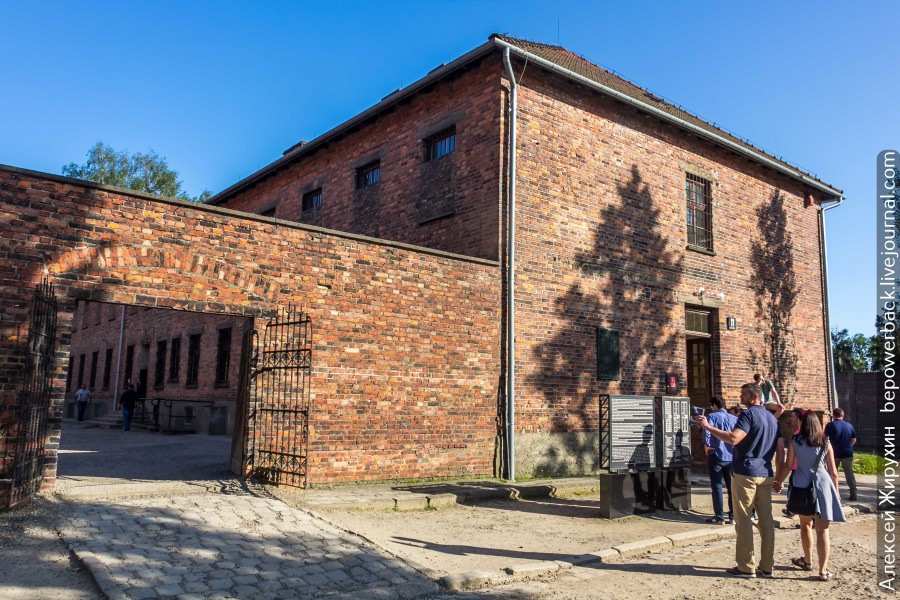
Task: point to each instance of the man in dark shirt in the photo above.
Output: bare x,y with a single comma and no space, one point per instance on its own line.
843,438
719,457
127,401
756,440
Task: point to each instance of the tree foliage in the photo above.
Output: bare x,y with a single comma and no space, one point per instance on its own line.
144,172
852,353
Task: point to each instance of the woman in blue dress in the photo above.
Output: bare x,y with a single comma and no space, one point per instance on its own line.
822,473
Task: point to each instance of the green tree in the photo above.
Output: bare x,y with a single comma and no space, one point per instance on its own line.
141,172
851,352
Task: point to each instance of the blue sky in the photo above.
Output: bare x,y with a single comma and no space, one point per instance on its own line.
221,89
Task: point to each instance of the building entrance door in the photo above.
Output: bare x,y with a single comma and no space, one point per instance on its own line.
700,372
699,379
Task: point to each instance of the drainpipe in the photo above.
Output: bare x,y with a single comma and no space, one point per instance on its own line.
511,279
119,358
828,347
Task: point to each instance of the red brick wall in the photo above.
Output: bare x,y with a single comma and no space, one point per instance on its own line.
405,361
412,193
601,241
147,326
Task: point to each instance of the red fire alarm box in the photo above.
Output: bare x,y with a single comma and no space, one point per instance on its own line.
672,386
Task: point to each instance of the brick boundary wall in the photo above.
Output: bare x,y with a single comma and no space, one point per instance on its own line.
406,347
858,395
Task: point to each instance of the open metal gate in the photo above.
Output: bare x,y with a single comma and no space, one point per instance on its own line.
34,399
277,434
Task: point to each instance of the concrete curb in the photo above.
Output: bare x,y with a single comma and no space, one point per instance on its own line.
408,500
471,580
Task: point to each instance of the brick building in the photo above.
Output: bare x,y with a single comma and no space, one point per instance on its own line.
702,251
183,363
393,230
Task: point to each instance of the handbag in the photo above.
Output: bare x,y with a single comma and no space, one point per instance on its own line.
803,500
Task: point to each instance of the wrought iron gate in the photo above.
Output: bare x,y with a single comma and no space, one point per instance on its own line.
34,399
278,400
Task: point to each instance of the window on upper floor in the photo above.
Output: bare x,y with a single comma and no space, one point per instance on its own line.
698,192
440,144
269,212
368,175
312,200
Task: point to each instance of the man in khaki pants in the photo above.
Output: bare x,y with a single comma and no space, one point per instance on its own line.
756,439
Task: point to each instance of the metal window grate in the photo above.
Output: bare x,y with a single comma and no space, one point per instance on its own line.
159,375
175,359
699,212
311,200
440,144
223,356
368,175
193,364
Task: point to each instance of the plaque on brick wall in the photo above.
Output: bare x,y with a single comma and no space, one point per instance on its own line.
628,433
607,354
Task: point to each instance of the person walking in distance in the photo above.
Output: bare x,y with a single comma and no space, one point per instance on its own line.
82,397
756,441
843,437
127,401
816,468
719,456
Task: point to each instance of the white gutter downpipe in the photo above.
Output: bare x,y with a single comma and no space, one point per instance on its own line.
119,359
511,279
830,346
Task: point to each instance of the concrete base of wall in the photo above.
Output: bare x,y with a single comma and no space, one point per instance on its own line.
557,454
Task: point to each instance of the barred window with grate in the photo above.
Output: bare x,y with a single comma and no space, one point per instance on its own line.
174,359
159,375
312,200
223,356
699,212
129,363
368,175
440,144
193,362
93,383
107,368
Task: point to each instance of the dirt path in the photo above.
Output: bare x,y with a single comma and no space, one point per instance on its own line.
697,572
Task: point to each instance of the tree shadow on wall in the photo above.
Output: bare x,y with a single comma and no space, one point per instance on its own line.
775,287
626,281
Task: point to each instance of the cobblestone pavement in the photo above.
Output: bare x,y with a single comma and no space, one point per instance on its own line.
232,544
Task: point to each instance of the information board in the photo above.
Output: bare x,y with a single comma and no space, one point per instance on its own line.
675,425
631,433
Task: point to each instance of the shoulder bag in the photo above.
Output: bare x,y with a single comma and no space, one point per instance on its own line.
803,500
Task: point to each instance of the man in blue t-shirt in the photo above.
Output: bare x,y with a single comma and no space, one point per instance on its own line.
718,455
843,438
756,440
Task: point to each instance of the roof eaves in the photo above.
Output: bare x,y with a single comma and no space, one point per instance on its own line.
300,149
752,152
